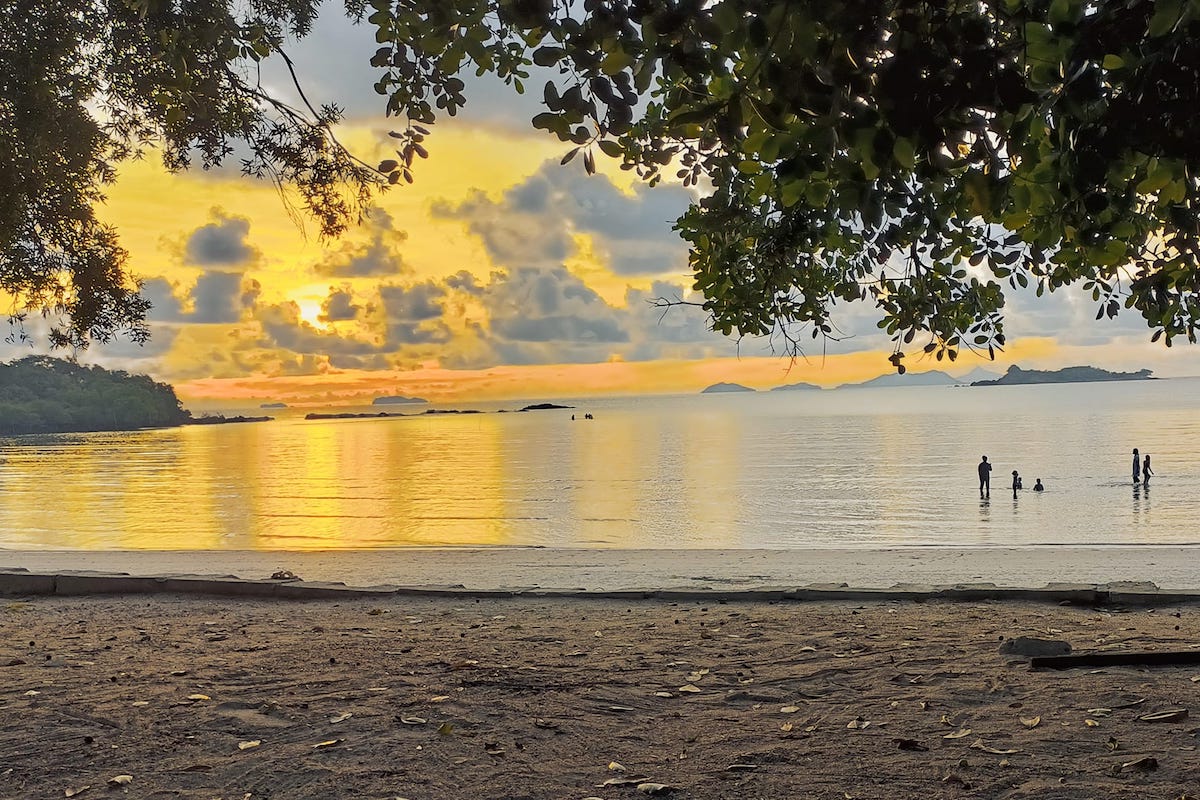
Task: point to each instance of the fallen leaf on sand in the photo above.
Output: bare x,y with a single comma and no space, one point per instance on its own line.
655,788
441,698
1112,743
1171,715
249,745
1091,723
945,720
689,688
74,792
412,720
785,727
120,780
858,724
1031,722
140,703
1147,764
632,780
616,766
958,734
327,743
1099,712
341,717
445,728
910,744
789,709
663,694
979,745
198,698
741,767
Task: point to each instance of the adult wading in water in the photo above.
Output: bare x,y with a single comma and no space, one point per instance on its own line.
985,477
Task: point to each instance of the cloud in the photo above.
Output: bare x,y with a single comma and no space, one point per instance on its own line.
535,223
339,306
221,242
378,256
218,297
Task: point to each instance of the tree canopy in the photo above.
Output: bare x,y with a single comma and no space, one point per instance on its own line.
920,155
49,395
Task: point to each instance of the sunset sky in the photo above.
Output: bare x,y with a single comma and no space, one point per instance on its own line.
498,274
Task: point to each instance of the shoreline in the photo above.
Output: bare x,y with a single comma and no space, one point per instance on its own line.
970,573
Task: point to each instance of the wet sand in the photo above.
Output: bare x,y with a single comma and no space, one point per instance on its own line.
457,697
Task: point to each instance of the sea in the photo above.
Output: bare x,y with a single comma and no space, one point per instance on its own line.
846,468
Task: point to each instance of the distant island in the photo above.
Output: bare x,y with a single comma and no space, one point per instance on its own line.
1016,376
40,394
797,387
934,377
396,399
273,405
717,388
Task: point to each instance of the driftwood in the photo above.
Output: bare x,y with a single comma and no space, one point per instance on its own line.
1111,659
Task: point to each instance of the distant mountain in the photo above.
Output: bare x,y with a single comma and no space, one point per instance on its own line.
978,374
1016,376
717,388
796,387
932,378
396,399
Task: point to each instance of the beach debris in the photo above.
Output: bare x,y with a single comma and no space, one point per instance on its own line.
404,720
1112,744
621,709
120,780
979,745
74,792
249,745
140,703
789,709
858,724
655,788
1029,646
1170,715
327,743
445,729
440,698
32,693
616,766
663,694
631,780
1091,723
1145,764
198,698
958,734
1109,658
1031,722
341,717
741,767
284,575
697,675
946,720
910,744
786,727
493,749
689,688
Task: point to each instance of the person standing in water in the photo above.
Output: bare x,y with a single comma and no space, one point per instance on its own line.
1016,484
1146,472
1137,465
1037,485
985,477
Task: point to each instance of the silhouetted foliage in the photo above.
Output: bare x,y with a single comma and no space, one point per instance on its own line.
911,154
48,395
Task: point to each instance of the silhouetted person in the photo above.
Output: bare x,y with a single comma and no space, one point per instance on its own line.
1037,485
1137,465
1016,484
1146,472
985,477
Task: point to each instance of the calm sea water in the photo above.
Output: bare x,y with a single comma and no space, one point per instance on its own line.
846,468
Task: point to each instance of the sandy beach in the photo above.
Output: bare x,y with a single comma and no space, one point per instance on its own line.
194,697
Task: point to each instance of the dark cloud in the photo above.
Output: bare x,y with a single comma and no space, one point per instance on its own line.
220,243
533,224
339,306
218,297
379,255
164,305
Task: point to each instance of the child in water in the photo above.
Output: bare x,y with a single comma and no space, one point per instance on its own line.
1037,485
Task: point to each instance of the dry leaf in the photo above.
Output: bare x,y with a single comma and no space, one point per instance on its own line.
196,698
1031,722
1147,764
789,709
689,688
445,728
341,717
73,792
1112,743
958,734
412,720
979,745
785,727
945,720
140,703
741,767
120,780
632,780
1099,712
327,743
858,723
1171,715
249,745
441,698
663,694
616,766
1091,723
655,788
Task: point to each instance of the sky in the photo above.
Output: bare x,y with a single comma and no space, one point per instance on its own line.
498,274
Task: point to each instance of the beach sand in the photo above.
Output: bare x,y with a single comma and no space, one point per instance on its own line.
441,698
